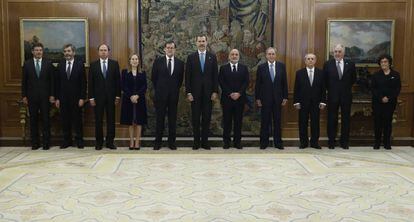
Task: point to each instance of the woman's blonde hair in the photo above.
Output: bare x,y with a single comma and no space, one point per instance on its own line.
139,68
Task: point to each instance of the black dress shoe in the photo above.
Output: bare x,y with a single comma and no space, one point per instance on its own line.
35,147
226,146
131,148
303,146
316,146
387,147
64,146
376,147
172,147
331,147
206,147
238,146
80,145
111,146
262,147
157,147
98,147
345,147
196,147
137,148
279,146
46,147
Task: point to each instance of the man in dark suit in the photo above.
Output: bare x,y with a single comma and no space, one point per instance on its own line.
71,95
271,94
340,75
309,98
38,93
167,77
234,79
201,85
104,93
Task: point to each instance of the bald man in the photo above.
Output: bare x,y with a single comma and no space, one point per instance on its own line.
309,97
340,75
233,79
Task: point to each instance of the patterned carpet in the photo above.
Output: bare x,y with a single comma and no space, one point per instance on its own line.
359,184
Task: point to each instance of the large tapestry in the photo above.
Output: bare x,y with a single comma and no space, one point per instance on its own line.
243,24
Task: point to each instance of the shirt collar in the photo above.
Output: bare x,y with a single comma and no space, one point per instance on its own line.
199,52
341,61
172,58
40,60
106,60
309,69
71,61
274,63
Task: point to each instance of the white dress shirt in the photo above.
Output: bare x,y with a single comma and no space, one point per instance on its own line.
172,63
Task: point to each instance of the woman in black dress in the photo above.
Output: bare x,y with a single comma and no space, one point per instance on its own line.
133,109
386,86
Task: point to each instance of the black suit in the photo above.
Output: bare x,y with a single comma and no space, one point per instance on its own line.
167,88
38,90
201,85
309,97
69,91
339,96
384,86
104,91
271,94
233,82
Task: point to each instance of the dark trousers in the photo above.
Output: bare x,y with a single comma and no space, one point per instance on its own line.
333,108
383,113
306,112
268,113
71,116
105,106
201,111
163,108
232,114
42,105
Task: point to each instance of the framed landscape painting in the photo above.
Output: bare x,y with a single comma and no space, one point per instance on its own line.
364,40
53,33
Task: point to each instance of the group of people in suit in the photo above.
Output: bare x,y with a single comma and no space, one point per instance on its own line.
314,90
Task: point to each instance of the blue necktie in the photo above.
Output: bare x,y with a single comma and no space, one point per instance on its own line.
104,69
272,72
37,68
202,61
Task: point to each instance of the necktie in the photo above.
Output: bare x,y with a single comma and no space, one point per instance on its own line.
234,68
202,61
338,67
169,66
272,72
104,69
68,70
37,68
311,77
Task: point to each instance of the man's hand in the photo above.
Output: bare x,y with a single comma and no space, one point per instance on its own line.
25,101
92,101
322,106
51,99
259,103
213,96
190,97
81,102
297,106
284,102
235,96
385,99
57,103
117,100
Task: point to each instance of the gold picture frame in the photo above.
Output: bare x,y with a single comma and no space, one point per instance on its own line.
53,33
364,39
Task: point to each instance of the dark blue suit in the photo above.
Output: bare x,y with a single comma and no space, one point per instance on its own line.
271,94
69,92
232,82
